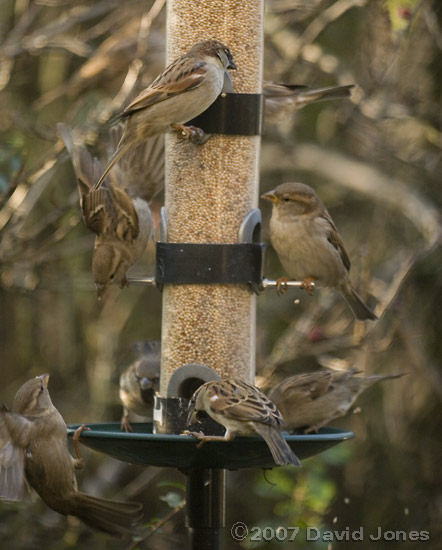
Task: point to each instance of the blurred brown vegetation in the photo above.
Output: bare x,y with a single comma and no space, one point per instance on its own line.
376,162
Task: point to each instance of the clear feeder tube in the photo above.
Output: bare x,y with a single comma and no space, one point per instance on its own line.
209,191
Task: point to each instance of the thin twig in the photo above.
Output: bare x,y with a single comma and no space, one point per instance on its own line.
158,526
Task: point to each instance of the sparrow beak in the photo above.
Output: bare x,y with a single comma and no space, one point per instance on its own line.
232,65
270,196
191,417
145,383
101,290
227,85
45,379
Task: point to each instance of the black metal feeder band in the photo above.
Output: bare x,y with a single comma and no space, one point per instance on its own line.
233,114
189,263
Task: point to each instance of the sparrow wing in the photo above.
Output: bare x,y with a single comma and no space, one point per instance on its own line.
141,169
275,89
14,433
126,226
306,386
86,167
240,401
335,240
181,76
110,211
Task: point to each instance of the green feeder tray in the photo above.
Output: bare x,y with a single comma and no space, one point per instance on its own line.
180,451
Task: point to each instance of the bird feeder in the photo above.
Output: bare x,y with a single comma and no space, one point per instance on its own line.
209,268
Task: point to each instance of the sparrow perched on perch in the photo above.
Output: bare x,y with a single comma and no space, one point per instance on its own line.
140,381
308,244
34,450
312,400
243,410
283,100
122,223
186,88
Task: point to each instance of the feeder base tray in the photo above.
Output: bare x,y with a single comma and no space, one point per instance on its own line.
180,451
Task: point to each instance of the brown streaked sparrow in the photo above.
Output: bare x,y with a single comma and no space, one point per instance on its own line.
34,450
243,410
122,223
308,244
312,400
140,381
186,88
283,100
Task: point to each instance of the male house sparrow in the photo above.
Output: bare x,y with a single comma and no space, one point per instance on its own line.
312,400
283,100
34,450
243,410
122,223
308,244
186,88
140,381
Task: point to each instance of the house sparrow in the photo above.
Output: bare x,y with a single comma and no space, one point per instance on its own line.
312,400
34,450
243,410
186,88
122,223
283,100
140,381
308,244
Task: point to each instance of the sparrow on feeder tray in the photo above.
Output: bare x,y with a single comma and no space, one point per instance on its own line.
140,381
121,222
186,88
34,451
312,400
243,410
308,244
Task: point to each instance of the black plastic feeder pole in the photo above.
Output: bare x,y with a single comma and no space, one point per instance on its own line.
206,494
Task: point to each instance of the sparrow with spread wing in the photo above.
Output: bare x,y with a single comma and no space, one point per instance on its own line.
121,222
243,410
34,451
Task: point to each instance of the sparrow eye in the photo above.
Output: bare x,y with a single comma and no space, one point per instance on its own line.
286,199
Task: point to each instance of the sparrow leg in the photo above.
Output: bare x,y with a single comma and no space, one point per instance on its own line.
124,283
281,285
317,427
203,437
308,284
125,423
191,133
78,462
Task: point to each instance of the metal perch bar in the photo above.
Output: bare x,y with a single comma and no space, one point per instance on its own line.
265,284
269,283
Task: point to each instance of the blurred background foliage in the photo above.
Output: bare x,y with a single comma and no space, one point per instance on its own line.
376,162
